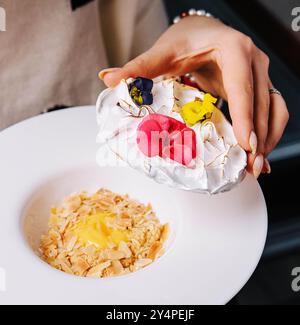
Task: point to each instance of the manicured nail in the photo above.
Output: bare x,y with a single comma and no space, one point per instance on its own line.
268,166
253,142
104,72
258,165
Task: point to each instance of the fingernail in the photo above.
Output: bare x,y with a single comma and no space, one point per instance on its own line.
253,142
104,72
268,166
258,165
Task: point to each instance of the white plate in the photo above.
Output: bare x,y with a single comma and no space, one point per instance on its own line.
215,246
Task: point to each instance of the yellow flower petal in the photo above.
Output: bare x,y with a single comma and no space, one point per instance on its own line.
198,111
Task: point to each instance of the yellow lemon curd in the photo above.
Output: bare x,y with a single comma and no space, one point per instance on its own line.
93,230
198,111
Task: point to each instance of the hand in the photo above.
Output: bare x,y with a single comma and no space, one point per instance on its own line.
225,63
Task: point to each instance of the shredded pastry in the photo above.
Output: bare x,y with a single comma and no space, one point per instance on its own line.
102,235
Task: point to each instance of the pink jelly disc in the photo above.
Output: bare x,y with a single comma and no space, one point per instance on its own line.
164,136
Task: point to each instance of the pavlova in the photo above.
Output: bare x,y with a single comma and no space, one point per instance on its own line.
171,132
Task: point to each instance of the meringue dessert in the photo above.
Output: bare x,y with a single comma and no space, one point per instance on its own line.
171,132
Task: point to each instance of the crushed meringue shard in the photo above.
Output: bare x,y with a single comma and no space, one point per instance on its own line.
219,164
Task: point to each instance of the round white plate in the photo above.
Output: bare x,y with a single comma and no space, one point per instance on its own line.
215,245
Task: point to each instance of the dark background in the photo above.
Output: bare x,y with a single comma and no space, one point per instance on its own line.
268,22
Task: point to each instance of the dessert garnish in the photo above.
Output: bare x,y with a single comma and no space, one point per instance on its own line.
198,111
166,137
141,91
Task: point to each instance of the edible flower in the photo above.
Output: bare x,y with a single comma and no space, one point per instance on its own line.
141,91
166,137
198,111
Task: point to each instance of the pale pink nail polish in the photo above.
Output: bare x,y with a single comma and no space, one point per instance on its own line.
268,166
253,142
258,165
104,72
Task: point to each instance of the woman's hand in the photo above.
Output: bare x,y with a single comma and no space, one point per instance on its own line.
227,64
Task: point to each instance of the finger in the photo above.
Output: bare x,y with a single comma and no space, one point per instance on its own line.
260,68
261,98
238,85
104,72
255,164
155,62
278,120
267,167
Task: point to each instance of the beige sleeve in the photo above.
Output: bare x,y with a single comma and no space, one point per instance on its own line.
151,22
130,27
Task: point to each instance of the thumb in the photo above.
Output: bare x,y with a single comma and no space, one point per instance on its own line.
151,64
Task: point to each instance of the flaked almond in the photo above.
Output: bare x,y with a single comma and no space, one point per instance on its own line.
154,250
79,265
65,267
96,271
72,203
117,267
165,232
123,247
108,272
111,254
71,243
142,263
